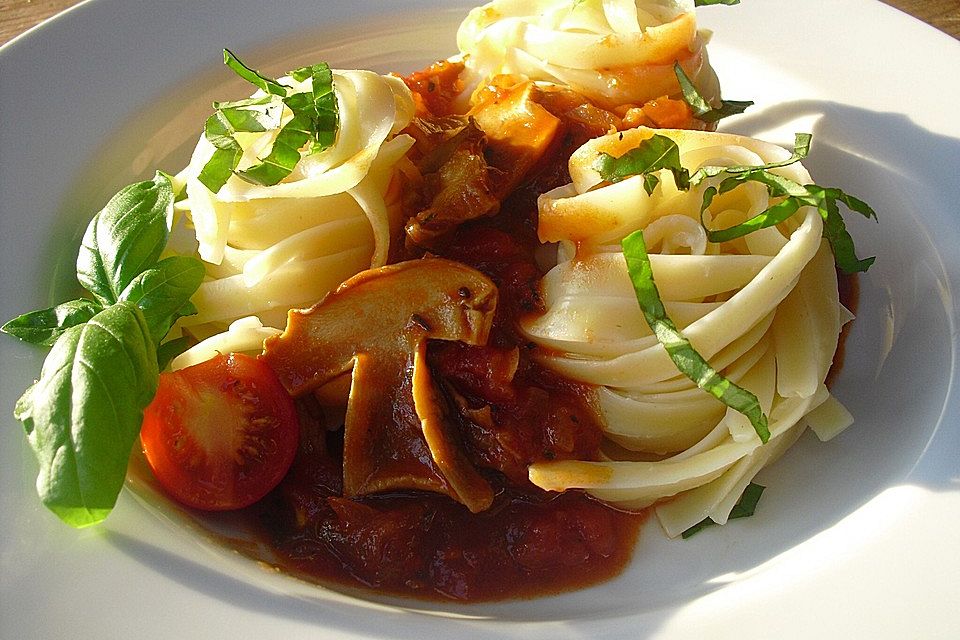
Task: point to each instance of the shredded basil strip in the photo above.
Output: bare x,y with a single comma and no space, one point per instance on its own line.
746,506
225,158
252,76
285,153
707,3
659,152
324,110
801,149
314,119
702,109
825,200
653,154
681,352
219,130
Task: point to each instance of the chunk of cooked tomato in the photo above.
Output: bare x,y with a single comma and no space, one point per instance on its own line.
221,434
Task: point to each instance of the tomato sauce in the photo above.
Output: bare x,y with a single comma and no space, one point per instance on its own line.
510,412
427,546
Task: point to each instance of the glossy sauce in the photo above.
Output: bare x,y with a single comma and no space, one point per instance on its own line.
510,412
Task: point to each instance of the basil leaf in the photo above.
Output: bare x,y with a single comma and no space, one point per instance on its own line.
653,154
746,506
253,77
702,109
83,415
707,3
45,326
681,352
163,292
125,238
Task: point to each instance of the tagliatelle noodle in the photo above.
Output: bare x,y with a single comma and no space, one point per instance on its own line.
763,309
614,52
245,335
268,249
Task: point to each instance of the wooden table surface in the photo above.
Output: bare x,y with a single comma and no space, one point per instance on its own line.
16,16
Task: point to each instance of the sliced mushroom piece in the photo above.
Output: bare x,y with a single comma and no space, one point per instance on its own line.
459,184
377,325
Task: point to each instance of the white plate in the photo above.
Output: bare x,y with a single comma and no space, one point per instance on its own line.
854,538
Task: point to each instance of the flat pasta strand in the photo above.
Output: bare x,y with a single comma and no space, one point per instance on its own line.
763,309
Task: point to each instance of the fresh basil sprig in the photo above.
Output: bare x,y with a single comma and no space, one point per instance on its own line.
707,3
315,119
687,360
746,506
702,110
83,415
660,152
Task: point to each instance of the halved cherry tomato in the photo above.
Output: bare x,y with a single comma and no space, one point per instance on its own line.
221,434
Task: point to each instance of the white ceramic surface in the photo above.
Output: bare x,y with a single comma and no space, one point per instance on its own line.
854,538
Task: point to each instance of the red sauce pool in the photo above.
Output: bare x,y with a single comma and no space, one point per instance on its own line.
511,412
427,546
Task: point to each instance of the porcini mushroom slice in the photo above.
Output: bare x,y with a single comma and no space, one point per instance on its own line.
377,324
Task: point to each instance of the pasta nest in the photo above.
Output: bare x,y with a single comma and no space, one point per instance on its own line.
764,309
268,249
614,52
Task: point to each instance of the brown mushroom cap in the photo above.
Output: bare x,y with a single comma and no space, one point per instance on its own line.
377,324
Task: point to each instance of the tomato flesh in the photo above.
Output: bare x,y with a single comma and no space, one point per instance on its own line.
221,434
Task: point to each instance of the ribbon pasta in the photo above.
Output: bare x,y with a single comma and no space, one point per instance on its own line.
614,52
268,249
764,309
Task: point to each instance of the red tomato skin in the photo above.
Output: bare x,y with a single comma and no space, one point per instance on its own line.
221,434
